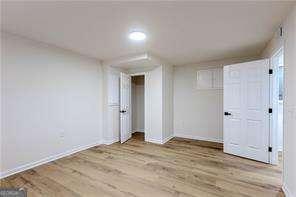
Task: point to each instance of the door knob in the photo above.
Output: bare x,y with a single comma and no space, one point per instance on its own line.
122,111
227,113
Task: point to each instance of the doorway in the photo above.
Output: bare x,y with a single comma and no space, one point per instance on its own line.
277,64
138,106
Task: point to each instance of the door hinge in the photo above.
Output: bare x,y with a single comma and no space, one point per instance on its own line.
270,71
281,32
270,149
270,110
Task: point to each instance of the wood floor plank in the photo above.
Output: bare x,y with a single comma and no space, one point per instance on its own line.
181,167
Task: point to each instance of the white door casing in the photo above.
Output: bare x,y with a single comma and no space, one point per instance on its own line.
246,115
125,107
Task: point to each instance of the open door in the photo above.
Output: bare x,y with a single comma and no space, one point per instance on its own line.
246,110
125,109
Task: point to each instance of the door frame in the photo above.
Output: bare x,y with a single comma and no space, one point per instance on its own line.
145,101
274,89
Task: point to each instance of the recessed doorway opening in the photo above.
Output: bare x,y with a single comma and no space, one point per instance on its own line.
138,106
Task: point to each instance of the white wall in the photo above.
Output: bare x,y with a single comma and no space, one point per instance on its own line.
289,43
153,105
51,103
290,103
198,114
168,110
138,106
273,45
280,127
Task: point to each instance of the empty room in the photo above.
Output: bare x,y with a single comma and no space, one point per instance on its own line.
148,98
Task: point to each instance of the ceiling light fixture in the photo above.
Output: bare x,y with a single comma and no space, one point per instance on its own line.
137,36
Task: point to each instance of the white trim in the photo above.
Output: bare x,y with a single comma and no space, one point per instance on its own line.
117,62
286,191
167,139
193,137
110,141
138,74
138,130
154,141
127,59
46,160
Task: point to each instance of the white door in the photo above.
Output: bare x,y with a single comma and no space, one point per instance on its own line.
125,109
246,110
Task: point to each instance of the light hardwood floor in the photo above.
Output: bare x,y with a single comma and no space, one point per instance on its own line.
136,168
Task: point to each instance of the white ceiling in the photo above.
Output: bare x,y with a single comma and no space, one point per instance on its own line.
180,32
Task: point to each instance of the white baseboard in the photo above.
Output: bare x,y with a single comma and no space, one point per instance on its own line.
138,130
156,141
46,160
167,139
153,141
287,192
199,138
111,141
184,136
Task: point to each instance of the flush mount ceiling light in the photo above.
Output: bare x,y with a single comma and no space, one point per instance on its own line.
137,36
